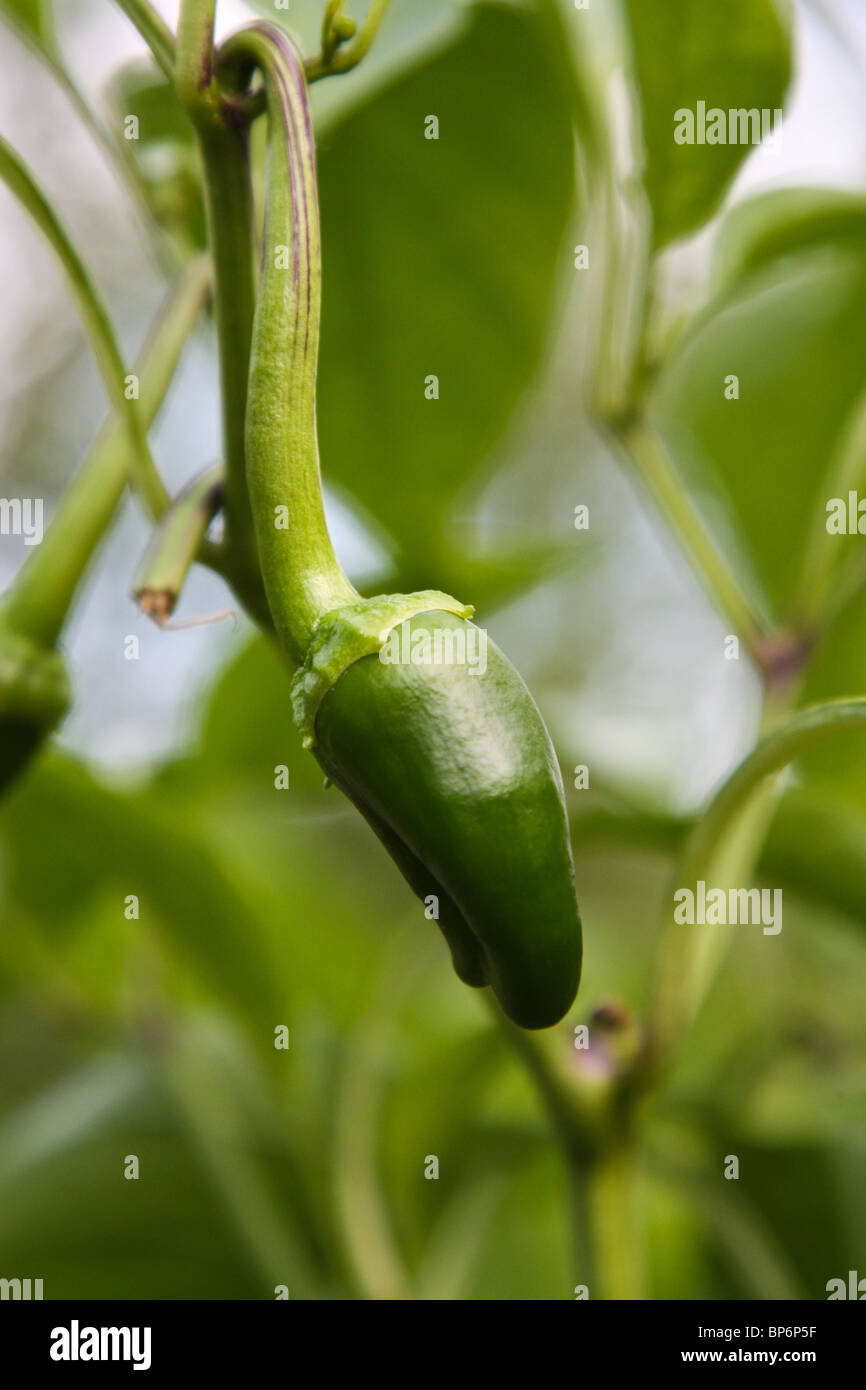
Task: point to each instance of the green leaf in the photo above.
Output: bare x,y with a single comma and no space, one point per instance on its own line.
803,1207
440,258
760,231
205,1217
185,895
730,56
838,664
795,338
248,725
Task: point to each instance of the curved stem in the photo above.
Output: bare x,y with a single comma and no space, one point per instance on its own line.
654,467
302,577
774,753
95,320
734,825
153,30
40,596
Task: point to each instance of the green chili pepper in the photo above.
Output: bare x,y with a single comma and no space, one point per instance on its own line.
448,760
34,696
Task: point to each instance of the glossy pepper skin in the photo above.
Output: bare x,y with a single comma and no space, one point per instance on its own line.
453,768
456,774
34,696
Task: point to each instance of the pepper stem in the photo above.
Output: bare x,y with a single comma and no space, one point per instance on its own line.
303,578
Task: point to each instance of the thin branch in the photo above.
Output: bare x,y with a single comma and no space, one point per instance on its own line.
653,465
153,30
39,598
194,61
94,317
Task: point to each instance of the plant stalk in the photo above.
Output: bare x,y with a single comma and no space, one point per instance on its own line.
303,578
654,467
613,1207
96,322
39,598
221,135
154,30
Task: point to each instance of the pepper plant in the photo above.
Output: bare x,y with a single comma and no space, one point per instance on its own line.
452,768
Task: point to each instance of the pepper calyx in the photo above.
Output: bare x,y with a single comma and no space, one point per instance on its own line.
346,634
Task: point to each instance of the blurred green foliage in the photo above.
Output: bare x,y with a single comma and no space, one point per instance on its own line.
259,908
160,153
729,57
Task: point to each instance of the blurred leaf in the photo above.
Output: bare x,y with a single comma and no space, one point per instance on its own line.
81,1103
762,230
802,1206
523,1259
456,1241
675,1242
753,1254
68,1213
817,843
794,1104
359,1195
796,340
439,258
731,57
162,157
249,728
211,1099
491,581
182,891
838,667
